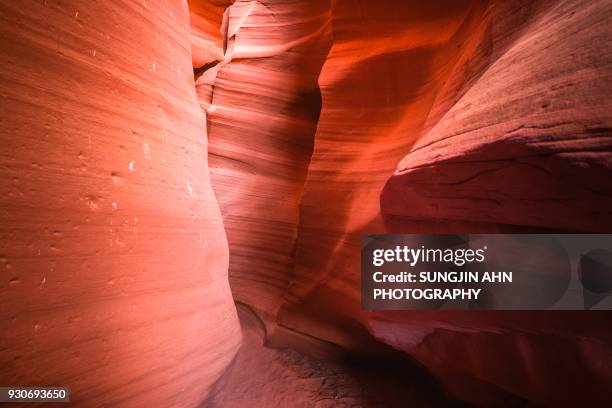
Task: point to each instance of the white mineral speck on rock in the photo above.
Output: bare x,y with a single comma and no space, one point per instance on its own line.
190,189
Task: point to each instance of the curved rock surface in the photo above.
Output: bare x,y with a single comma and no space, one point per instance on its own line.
463,95
527,147
286,378
112,249
262,102
381,77
539,118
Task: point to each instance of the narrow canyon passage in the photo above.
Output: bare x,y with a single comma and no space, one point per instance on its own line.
286,378
185,185
411,133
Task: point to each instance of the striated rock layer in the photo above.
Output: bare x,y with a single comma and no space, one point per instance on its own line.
539,117
498,113
387,64
262,103
112,246
112,249
527,147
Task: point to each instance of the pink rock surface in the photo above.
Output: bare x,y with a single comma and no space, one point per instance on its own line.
379,81
286,378
538,118
206,21
316,122
513,89
526,147
262,102
112,249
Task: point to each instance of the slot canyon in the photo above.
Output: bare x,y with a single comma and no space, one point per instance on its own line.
185,185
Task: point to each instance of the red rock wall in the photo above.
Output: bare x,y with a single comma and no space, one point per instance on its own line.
497,113
526,147
262,103
112,249
538,118
114,254
382,75
206,22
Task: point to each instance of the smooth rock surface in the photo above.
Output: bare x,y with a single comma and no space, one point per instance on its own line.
325,120
262,103
112,249
526,147
286,378
538,118
499,117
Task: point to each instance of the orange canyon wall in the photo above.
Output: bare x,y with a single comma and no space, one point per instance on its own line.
113,254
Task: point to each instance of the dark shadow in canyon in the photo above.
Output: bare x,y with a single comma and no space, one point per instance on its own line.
261,376
464,192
